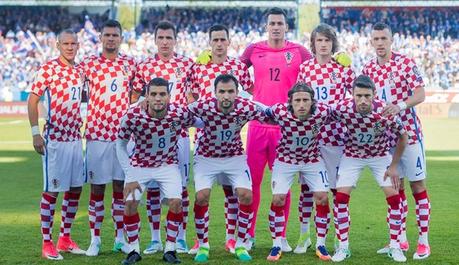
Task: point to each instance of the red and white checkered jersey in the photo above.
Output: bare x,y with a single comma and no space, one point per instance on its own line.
396,81
109,84
331,83
368,135
299,142
175,71
155,139
61,85
202,76
221,135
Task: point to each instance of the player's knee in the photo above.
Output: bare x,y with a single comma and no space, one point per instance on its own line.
118,186
321,198
244,196
75,189
130,207
98,189
279,199
175,205
417,186
202,198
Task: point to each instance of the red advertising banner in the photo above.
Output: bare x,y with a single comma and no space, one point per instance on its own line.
13,109
440,104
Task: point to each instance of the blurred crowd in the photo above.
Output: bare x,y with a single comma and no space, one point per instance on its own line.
244,20
435,22
31,41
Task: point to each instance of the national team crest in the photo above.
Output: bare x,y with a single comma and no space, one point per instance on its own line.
334,76
288,57
238,120
55,183
391,76
315,129
378,128
125,70
417,73
178,72
175,125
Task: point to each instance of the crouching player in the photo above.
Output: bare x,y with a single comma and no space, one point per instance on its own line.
219,152
300,121
368,145
156,130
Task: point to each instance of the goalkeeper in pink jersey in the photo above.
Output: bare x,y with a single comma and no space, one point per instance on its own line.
276,64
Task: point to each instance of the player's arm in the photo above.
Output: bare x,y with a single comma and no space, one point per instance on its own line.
416,85
135,96
391,171
191,86
416,98
245,57
32,107
123,157
138,84
122,154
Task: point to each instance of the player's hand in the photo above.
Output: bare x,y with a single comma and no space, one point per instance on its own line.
39,144
390,110
130,188
342,58
392,173
144,105
204,57
190,98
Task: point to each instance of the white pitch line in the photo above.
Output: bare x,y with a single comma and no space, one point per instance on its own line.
12,122
15,142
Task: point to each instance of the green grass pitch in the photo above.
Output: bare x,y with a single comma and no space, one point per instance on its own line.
21,184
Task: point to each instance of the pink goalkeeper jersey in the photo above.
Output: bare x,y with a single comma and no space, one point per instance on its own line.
275,70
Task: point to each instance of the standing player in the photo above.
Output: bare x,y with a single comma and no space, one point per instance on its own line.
108,77
201,81
174,68
399,83
61,84
331,83
154,159
219,153
368,145
276,65
300,121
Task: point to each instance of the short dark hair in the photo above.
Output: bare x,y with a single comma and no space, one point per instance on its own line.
66,31
157,81
364,81
276,11
381,26
329,32
218,27
301,87
111,23
165,25
225,78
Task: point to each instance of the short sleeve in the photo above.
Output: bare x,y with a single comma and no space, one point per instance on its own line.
125,129
41,80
